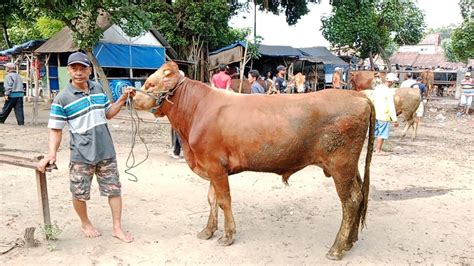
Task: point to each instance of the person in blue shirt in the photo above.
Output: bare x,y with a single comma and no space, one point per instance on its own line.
255,87
421,109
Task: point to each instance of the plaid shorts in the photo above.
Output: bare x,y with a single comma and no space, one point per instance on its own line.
81,174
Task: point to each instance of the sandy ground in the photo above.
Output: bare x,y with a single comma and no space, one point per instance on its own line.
420,208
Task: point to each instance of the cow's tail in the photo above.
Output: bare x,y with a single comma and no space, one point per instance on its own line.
368,159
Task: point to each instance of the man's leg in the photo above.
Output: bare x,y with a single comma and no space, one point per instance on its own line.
80,176
7,108
87,228
115,203
110,186
20,117
378,147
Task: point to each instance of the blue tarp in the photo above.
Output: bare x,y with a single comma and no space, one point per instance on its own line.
228,47
129,56
24,46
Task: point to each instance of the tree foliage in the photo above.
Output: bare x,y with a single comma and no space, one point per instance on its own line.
26,30
447,46
292,9
463,41
462,37
372,26
81,17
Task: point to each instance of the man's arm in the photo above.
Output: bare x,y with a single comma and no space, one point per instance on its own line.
115,107
391,108
55,136
9,82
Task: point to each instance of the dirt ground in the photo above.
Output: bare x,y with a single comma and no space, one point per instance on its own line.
420,207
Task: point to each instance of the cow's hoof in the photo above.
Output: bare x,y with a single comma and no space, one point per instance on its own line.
334,256
205,234
225,241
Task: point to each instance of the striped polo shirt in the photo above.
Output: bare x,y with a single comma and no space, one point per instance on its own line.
90,139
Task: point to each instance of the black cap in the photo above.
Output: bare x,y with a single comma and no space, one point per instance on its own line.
280,68
78,58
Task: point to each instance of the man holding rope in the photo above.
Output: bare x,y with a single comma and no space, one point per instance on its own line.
85,108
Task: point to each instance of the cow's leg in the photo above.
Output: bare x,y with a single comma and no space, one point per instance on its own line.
211,227
408,124
354,234
351,197
221,186
415,127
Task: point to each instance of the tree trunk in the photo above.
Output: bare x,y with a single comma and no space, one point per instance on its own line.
100,71
385,58
371,60
5,35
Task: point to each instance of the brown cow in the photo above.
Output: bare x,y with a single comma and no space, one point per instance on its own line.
362,80
227,133
427,78
406,102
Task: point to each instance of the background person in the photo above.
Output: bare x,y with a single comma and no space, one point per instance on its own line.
280,81
385,112
13,95
255,87
221,80
467,92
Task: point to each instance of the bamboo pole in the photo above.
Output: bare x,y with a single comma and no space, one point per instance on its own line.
242,65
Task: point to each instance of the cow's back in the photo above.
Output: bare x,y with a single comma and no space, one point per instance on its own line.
407,101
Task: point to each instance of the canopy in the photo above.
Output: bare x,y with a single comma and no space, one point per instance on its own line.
21,47
129,56
323,55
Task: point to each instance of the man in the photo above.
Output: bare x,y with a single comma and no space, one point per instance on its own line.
280,82
337,82
84,107
221,80
384,109
13,95
467,92
255,87
408,82
421,109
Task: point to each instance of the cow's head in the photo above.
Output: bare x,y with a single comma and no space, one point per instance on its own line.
164,79
298,81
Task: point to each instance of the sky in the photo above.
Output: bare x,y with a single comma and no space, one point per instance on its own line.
306,33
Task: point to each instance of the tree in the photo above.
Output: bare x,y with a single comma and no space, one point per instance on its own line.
463,41
25,30
9,12
193,28
292,9
372,26
462,37
447,46
88,19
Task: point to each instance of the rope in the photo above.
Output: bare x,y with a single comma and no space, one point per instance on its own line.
131,162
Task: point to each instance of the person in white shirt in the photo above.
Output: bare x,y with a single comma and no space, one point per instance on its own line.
409,81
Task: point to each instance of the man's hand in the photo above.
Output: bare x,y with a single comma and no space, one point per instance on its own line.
128,93
395,124
47,160
6,98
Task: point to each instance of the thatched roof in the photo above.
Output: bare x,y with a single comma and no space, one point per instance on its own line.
61,42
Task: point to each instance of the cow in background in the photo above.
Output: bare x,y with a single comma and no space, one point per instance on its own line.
362,80
427,78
